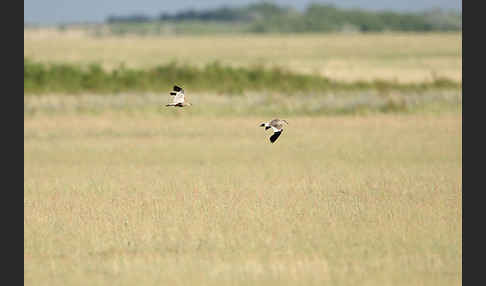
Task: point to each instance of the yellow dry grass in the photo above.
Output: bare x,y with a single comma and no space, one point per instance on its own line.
149,199
252,103
405,57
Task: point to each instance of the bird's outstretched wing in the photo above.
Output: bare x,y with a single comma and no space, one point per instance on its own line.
179,98
275,135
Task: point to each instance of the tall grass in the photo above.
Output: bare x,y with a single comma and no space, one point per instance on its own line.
251,104
152,200
55,77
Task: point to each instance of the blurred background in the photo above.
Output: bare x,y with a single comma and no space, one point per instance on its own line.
284,46
62,12
363,187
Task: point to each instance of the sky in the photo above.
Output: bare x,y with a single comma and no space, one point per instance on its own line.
75,11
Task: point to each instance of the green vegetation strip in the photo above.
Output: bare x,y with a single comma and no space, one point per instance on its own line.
70,78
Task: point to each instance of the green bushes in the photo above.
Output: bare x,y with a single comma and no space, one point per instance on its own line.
70,78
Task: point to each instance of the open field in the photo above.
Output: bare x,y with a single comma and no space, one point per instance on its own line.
405,57
364,187
42,78
250,104
182,198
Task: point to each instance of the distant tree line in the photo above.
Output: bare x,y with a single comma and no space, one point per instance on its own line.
268,17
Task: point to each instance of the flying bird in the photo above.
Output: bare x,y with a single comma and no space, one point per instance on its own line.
277,126
178,99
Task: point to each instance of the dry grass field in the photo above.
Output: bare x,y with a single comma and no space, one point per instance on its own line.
405,57
362,188
251,104
174,198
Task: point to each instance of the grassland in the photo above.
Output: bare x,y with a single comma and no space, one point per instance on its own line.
404,57
364,187
250,104
68,78
175,198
